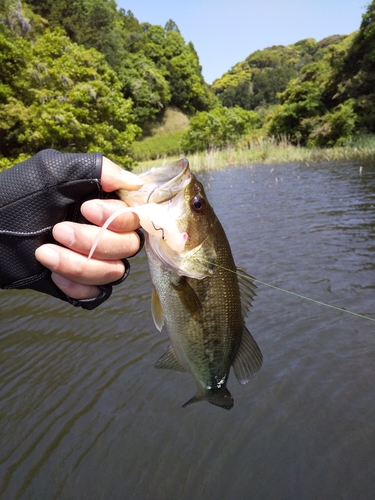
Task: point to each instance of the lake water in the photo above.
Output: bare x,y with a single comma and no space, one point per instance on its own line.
84,415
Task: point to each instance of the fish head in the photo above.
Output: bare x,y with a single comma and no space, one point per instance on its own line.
195,218
198,217
177,217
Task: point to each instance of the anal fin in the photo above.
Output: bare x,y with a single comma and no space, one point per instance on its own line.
169,361
249,358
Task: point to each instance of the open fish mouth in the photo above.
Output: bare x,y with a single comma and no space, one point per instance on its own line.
161,184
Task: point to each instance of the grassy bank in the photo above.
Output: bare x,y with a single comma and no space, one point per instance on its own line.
270,151
162,145
165,136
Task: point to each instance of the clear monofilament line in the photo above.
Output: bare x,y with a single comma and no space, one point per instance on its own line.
319,302
315,301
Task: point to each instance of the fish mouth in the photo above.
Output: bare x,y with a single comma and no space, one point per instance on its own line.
167,180
161,184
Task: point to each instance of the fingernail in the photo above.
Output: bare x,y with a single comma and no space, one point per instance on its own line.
48,256
60,281
64,233
96,209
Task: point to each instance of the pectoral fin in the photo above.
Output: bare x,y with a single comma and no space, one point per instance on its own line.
169,361
189,299
249,358
156,310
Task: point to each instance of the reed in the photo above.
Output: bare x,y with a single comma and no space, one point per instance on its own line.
269,150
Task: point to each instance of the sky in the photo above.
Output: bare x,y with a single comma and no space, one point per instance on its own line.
225,32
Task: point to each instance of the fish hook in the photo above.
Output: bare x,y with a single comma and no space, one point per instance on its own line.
148,201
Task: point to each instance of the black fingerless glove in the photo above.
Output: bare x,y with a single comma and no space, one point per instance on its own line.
35,195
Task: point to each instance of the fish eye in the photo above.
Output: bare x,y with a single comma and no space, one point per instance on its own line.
198,204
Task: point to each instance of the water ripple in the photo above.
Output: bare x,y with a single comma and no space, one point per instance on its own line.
85,415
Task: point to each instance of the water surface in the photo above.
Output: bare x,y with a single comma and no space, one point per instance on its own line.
84,415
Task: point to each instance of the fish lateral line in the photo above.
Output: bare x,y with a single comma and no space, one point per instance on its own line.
251,278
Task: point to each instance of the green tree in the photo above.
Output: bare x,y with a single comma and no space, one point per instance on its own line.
179,64
92,23
301,103
144,83
240,73
218,128
14,56
310,112
353,77
257,82
154,64
71,101
239,95
18,19
334,128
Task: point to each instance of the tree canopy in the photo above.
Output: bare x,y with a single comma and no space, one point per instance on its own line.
154,64
257,81
62,96
83,75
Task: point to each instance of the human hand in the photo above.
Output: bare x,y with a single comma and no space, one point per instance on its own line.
76,276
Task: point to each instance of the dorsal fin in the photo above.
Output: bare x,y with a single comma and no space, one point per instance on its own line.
247,290
169,361
156,310
249,358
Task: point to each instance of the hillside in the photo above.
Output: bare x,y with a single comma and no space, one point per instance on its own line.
256,81
83,75
314,94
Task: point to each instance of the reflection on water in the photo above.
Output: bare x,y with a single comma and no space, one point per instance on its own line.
85,415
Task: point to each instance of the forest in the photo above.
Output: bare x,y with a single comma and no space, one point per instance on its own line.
84,75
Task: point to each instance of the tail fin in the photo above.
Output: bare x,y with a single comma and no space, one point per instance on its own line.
219,397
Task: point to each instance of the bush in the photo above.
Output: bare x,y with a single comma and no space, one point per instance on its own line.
218,128
335,128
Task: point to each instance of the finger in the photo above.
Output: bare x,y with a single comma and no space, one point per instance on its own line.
77,267
111,246
99,211
114,177
73,289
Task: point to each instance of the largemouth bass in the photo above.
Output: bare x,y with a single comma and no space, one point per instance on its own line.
198,293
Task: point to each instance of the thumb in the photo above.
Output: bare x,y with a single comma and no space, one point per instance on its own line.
114,177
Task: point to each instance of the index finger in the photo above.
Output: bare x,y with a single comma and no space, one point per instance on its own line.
99,211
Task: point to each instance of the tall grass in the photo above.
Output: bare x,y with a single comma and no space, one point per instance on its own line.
270,150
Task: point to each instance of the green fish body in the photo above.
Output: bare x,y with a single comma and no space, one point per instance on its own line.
201,297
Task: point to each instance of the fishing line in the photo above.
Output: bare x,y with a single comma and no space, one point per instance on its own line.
250,278
315,301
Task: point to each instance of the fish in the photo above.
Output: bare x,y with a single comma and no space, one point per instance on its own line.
198,293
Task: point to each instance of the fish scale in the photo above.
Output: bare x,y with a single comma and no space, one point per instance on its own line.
199,295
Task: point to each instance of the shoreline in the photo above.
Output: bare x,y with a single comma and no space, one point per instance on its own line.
266,152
